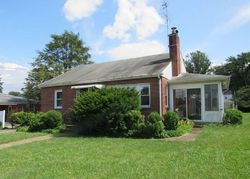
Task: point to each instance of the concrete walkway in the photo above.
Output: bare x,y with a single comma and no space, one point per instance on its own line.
187,137
26,141
5,131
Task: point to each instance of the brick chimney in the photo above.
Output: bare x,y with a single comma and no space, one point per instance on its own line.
174,51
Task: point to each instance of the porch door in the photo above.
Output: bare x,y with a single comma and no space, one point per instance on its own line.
194,103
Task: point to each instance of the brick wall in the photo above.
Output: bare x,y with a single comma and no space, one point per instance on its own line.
174,52
68,95
163,94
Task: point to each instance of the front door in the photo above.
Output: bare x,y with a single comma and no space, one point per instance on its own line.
194,103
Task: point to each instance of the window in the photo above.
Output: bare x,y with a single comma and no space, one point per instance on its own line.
145,95
80,91
58,99
143,89
180,102
211,97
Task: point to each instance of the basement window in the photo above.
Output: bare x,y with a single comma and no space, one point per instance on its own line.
58,99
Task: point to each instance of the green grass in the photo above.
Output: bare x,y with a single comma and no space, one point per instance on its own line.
219,152
11,137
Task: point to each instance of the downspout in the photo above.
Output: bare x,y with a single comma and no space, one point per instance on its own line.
160,100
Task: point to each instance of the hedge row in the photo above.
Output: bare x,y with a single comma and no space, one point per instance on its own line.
51,121
115,112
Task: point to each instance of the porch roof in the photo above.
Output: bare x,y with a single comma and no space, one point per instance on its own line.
198,78
6,99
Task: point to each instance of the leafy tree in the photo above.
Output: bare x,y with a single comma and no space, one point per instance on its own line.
60,55
15,93
1,85
243,98
197,62
239,69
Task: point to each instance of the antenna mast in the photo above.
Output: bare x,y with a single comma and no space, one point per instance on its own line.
165,5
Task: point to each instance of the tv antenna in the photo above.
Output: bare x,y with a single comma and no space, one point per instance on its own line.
165,6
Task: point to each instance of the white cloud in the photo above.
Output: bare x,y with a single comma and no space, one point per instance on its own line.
133,15
13,76
241,17
78,9
129,50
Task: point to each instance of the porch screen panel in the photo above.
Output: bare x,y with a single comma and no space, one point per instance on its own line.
211,97
180,102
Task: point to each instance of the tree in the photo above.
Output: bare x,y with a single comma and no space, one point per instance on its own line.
238,68
1,85
60,55
197,62
243,98
15,93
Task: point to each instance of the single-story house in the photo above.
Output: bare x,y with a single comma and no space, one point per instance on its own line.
11,104
161,79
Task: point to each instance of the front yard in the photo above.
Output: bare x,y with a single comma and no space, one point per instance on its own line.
218,152
16,136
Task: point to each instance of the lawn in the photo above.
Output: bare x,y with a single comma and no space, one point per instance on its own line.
219,152
11,137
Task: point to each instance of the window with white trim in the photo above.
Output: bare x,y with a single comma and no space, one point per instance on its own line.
145,95
144,91
80,91
211,97
58,99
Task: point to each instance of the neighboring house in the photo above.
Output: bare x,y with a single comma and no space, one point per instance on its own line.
11,104
161,80
228,95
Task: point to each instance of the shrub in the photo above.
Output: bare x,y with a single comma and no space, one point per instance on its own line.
38,121
243,98
171,120
103,111
154,117
52,119
158,129
153,127
22,129
133,123
184,125
21,118
232,116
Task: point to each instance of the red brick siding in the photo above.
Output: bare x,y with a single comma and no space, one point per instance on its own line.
163,94
68,95
174,51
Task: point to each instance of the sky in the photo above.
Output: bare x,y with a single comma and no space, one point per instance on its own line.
119,29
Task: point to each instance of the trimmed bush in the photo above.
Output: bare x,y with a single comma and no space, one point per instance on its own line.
153,127
52,119
232,116
21,118
103,111
22,129
42,121
134,122
171,120
154,117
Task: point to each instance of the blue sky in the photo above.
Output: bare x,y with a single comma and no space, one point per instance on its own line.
117,29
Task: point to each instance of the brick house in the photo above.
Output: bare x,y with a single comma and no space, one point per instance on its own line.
161,80
11,104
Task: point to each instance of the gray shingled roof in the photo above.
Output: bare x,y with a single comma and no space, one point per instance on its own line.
6,99
134,68
191,77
